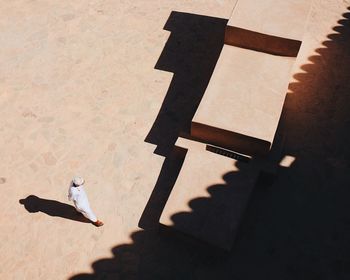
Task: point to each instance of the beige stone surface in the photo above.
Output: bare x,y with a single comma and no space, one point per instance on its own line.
78,85
195,209
242,105
285,19
275,27
78,95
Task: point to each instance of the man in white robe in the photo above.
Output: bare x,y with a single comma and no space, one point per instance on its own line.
77,194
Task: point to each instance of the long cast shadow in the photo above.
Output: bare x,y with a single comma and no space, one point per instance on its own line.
34,204
299,227
296,228
191,53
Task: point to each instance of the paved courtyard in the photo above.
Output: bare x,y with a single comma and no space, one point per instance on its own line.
102,88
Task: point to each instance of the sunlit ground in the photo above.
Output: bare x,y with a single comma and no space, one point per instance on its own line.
79,93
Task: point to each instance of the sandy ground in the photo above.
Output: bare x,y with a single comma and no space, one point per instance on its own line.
79,94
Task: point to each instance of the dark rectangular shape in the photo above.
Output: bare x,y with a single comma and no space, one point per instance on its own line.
229,140
252,40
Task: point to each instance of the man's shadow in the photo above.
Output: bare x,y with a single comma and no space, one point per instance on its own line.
53,208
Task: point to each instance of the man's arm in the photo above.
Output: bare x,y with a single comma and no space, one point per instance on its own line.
70,192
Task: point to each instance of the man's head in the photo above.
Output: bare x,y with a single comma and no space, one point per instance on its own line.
78,181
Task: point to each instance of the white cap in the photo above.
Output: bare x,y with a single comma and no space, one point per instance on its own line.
78,180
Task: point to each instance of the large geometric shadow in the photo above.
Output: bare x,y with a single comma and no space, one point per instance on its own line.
299,228
296,228
191,53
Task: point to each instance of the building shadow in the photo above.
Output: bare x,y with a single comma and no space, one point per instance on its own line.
34,204
297,227
165,253
191,53
166,180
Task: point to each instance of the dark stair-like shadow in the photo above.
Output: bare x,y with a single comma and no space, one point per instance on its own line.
34,204
191,53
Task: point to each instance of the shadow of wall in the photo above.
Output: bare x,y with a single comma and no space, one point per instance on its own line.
299,228
296,228
191,53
